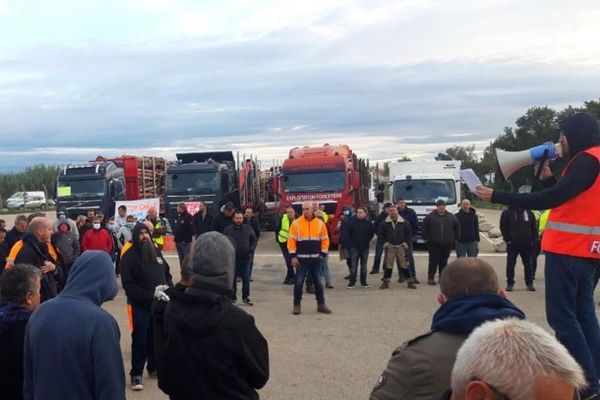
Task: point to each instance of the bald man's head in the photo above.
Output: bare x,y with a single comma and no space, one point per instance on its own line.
152,213
149,226
467,275
308,209
41,228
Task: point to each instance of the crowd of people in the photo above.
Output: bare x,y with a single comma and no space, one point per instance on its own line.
394,230
198,343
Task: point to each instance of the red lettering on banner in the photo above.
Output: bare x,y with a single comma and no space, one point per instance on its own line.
192,207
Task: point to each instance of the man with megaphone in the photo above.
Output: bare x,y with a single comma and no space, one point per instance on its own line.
571,242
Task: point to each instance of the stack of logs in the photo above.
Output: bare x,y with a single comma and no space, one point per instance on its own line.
151,172
151,176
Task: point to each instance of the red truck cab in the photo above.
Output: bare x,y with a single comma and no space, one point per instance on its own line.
328,175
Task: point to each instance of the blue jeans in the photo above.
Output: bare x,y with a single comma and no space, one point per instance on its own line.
241,270
467,249
183,249
571,312
361,255
310,266
378,254
325,272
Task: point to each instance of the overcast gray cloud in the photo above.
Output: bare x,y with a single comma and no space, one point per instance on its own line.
388,78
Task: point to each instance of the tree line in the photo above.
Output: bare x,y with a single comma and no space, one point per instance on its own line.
37,177
538,125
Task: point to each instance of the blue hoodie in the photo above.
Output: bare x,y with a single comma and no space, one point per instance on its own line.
463,314
72,349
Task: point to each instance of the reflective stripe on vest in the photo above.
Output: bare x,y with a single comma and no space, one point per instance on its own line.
16,249
125,248
284,232
573,228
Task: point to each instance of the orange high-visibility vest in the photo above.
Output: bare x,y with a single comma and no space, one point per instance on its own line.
573,228
16,249
308,239
125,249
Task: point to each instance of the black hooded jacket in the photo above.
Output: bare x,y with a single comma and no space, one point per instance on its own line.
140,279
209,348
582,132
518,227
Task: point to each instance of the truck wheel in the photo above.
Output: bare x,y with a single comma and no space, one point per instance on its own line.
43,207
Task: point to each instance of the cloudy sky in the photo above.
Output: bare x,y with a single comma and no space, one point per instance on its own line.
390,78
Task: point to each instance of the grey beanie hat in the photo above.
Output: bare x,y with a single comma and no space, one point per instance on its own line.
213,260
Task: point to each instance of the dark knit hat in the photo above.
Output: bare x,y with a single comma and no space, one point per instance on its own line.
213,260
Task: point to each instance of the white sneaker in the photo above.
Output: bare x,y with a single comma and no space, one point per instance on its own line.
136,383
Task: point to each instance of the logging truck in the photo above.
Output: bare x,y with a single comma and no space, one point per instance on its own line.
332,176
97,184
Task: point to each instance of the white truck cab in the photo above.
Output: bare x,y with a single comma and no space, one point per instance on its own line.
422,183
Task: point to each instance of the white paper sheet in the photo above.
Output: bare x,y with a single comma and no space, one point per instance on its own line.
469,177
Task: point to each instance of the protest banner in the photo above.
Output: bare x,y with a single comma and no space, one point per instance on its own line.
137,208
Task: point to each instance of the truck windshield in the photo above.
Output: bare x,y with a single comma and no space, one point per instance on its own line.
425,191
81,188
325,181
194,182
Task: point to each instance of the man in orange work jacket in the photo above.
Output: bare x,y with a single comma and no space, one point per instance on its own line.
307,244
571,242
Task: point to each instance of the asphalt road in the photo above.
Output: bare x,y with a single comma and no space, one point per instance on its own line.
338,356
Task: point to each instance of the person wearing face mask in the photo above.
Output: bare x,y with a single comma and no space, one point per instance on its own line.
124,235
66,243
61,217
97,238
